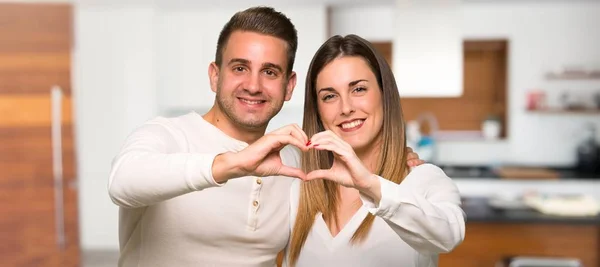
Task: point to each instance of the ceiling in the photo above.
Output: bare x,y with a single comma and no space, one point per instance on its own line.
212,3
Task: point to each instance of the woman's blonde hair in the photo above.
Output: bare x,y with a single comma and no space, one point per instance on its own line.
322,195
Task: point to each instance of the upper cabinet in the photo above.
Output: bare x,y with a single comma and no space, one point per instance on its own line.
426,37
427,48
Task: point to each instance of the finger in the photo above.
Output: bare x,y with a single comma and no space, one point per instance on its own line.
320,138
278,141
323,134
329,143
293,130
301,132
296,131
291,172
415,162
320,174
337,151
412,163
333,138
412,155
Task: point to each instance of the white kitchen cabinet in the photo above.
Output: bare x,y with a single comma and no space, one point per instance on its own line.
427,48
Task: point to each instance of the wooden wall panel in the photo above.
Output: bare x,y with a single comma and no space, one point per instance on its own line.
484,91
31,110
26,157
35,55
31,232
487,243
14,82
35,27
34,72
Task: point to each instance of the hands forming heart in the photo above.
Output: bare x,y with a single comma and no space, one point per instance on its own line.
262,158
347,169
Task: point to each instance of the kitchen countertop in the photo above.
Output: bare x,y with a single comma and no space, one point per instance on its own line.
486,172
478,210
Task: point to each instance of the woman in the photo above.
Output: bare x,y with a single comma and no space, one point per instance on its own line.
360,206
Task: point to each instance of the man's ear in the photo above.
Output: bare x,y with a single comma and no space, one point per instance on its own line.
213,76
291,84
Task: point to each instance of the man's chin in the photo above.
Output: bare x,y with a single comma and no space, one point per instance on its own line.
254,123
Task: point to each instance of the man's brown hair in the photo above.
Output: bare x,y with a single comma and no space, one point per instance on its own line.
263,20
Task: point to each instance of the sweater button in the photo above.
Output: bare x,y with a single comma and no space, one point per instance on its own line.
255,203
258,181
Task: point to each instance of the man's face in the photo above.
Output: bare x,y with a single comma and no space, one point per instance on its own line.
251,84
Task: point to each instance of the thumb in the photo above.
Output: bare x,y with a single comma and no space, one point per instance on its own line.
320,174
292,172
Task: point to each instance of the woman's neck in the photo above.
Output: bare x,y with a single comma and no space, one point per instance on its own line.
369,157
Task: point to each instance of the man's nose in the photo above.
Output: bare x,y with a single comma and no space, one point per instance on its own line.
253,83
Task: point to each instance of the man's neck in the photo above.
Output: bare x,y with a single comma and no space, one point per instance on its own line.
217,118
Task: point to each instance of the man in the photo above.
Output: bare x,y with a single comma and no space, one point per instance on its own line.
213,190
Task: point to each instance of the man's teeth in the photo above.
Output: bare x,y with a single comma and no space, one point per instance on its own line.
251,102
352,124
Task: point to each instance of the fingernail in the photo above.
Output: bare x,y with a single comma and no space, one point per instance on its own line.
308,143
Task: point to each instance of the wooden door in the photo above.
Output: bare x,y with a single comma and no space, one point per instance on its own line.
38,197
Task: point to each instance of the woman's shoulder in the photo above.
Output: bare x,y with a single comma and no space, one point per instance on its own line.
427,172
427,168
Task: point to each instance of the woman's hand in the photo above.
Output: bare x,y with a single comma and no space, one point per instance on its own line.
347,169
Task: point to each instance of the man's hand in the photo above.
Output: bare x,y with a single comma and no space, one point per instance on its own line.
412,158
262,158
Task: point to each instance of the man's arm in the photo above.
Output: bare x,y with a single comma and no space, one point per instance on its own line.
150,169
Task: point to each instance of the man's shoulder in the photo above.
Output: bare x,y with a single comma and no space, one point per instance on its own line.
172,128
172,121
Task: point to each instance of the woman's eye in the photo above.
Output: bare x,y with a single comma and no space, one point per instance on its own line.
327,97
360,89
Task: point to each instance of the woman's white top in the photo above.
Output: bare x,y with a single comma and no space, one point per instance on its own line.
415,221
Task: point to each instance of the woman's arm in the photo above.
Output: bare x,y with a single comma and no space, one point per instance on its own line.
424,210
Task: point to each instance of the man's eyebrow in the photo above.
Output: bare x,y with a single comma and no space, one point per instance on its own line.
238,60
273,65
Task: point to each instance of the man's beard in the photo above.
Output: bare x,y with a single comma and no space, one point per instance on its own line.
257,121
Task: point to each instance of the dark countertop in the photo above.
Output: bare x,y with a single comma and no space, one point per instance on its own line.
477,171
478,210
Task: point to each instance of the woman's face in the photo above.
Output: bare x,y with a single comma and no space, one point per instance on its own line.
349,101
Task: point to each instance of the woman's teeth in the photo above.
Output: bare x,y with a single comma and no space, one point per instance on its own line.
352,124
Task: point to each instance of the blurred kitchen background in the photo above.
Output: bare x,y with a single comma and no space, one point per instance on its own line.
503,95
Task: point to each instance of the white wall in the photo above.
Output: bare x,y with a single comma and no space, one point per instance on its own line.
542,36
134,62
114,89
